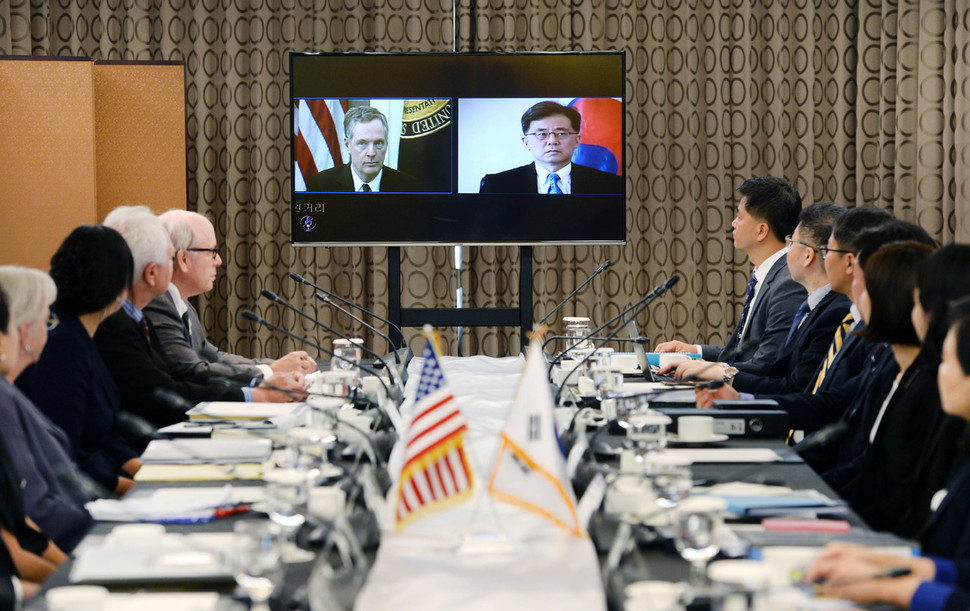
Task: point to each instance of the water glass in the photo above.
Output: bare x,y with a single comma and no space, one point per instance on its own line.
696,534
577,328
256,559
286,497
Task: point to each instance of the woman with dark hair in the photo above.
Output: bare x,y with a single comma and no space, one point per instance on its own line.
70,383
941,577
908,442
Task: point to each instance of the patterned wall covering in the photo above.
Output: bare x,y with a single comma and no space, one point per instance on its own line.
859,102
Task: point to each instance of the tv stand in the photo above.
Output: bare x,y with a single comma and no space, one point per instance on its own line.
520,316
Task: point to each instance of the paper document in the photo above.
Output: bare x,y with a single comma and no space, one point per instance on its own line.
725,455
198,473
240,410
187,558
192,451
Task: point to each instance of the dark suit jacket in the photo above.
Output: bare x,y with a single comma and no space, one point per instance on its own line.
12,516
583,179
72,386
40,451
339,179
797,361
947,530
808,411
189,354
138,368
910,458
771,318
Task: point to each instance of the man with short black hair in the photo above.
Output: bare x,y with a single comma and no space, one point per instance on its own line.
767,212
551,132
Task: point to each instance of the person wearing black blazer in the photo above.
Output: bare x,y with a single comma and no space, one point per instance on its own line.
340,179
70,383
816,318
551,133
767,212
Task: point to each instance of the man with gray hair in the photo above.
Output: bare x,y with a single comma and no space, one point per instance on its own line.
176,322
365,130
130,347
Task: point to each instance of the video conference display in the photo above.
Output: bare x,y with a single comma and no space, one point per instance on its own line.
458,148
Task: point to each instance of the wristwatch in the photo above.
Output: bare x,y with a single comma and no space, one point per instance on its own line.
729,372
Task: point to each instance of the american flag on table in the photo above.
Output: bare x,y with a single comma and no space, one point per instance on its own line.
319,129
435,473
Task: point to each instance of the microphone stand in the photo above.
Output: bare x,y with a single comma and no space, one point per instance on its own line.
347,302
641,306
598,271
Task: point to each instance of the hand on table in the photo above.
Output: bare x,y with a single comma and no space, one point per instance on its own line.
694,369
292,381
847,570
705,396
676,346
297,361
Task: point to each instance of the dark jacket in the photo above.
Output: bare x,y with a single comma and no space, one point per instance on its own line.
524,179
339,179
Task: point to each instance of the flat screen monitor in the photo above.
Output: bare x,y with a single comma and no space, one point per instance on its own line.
458,148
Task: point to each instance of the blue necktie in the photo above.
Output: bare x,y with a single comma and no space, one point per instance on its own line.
553,184
800,315
752,282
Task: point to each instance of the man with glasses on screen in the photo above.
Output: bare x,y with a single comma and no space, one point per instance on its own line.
366,141
177,323
550,131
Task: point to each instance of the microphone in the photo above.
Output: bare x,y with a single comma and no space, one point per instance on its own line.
326,299
347,302
277,299
637,307
256,318
599,270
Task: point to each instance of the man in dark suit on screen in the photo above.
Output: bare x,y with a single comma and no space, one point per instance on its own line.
366,140
551,133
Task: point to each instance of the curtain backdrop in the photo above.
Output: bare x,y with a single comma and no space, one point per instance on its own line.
861,102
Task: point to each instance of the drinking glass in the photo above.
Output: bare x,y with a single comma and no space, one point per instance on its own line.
696,533
577,328
286,504
255,559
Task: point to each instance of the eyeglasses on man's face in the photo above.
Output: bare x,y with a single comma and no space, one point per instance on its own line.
825,250
789,241
214,252
543,135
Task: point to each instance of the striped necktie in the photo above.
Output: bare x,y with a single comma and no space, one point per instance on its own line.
749,297
552,183
834,348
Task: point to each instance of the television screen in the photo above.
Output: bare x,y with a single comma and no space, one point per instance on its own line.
453,148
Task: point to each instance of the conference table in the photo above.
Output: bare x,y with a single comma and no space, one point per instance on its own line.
560,570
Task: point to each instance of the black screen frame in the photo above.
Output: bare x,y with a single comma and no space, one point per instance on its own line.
398,219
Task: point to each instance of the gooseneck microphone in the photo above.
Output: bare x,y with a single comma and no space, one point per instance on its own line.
637,308
599,270
651,296
326,299
256,318
636,340
277,299
347,302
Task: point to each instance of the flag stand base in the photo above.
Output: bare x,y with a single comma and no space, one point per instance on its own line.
486,543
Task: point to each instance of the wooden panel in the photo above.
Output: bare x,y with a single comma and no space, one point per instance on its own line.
140,133
47,155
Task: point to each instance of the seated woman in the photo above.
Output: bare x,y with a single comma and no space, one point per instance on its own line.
70,383
39,449
940,579
32,554
908,443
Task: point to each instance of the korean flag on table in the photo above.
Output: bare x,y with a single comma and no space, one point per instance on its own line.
436,472
530,469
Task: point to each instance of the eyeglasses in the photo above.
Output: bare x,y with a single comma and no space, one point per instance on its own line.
543,135
212,251
789,241
52,322
825,250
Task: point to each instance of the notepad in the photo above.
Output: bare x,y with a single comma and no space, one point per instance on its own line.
240,410
188,558
218,451
198,473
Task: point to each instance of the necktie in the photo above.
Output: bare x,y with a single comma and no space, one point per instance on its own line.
364,188
144,327
552,185
834,348
800,315
752,282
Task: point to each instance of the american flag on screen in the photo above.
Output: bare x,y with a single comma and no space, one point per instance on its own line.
435,473
319,129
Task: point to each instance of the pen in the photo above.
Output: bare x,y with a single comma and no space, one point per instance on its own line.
890,573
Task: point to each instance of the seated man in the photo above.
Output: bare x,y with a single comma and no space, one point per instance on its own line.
366,141
815,321
767,212
176,322
551,133
129,345
838,378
